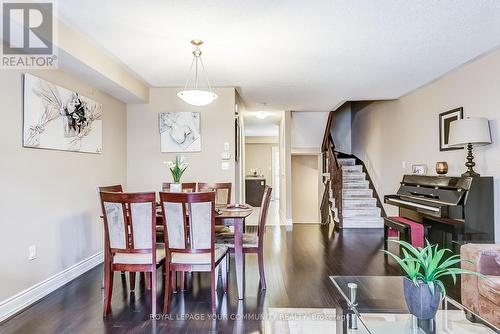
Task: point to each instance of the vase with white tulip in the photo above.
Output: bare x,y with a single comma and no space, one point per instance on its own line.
177,168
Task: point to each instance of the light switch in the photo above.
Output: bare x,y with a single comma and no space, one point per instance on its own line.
403,164
226,146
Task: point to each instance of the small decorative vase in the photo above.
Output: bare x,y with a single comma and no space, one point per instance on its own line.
421,303
175,187
441,167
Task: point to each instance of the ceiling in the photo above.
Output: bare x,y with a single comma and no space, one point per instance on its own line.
267,127
288,54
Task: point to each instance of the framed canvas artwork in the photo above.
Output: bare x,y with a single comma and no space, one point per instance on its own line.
445,119
57,118
180,132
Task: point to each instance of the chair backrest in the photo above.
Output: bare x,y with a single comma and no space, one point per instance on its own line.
264,208
138,211
111,189
200,208
222,191
187,187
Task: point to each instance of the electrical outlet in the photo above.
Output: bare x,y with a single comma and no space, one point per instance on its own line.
32,252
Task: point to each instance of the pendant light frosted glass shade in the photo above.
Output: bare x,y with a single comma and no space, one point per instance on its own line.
197,97
194,95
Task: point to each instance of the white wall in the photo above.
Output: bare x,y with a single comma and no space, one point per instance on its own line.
307,128
146,170
260,157
285,197
384,134
48,198
305,199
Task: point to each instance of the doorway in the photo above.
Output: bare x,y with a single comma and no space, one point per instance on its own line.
262,159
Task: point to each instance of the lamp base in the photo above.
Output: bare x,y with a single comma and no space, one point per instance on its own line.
470,173
470,163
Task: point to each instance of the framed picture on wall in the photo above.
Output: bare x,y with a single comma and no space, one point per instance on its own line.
180,132
419,169
445,120
237,134
57,118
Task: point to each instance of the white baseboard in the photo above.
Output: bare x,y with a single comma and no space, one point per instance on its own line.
23,299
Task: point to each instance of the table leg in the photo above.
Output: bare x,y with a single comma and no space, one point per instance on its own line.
239,257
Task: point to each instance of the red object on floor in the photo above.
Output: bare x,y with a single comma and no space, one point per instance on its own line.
417,231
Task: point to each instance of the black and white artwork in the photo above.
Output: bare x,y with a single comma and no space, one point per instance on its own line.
59,119
445,120
180,132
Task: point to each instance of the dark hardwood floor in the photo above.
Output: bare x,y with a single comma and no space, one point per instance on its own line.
298,264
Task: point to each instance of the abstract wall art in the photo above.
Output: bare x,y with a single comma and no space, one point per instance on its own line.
180,132
59,119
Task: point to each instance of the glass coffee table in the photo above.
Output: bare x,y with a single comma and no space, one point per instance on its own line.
376,305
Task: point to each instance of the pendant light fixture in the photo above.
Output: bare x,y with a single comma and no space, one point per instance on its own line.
193,95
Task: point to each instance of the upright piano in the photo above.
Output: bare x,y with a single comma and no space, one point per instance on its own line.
454,210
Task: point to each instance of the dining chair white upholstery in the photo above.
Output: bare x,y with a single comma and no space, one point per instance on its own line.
192,212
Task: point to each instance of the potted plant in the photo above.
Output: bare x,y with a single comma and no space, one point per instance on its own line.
177,168
425,269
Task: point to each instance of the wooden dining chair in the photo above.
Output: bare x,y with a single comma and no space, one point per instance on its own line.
111,189
252,243
222,196
131,248
188,187
117,188
191,248
222,191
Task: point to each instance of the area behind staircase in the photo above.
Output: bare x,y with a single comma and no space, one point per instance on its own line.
359,206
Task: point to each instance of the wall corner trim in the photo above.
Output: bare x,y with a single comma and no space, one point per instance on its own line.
286,221
17,303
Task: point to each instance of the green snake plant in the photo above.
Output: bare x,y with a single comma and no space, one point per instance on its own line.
427,265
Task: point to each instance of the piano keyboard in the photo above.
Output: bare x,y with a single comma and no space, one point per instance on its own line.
416,205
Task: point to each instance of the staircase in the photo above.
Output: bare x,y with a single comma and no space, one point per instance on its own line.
359,206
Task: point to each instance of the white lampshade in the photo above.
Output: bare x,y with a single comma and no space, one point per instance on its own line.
197,97
474,131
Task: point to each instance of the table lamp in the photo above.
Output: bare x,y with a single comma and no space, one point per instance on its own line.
470,132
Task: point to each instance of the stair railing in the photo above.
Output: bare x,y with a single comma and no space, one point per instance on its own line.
334,170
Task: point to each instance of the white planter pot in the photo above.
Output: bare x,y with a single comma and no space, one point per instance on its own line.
175,187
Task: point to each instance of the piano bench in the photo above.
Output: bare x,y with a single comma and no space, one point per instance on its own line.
403,230
409,231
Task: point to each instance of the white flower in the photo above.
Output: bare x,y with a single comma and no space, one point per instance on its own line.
169,164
